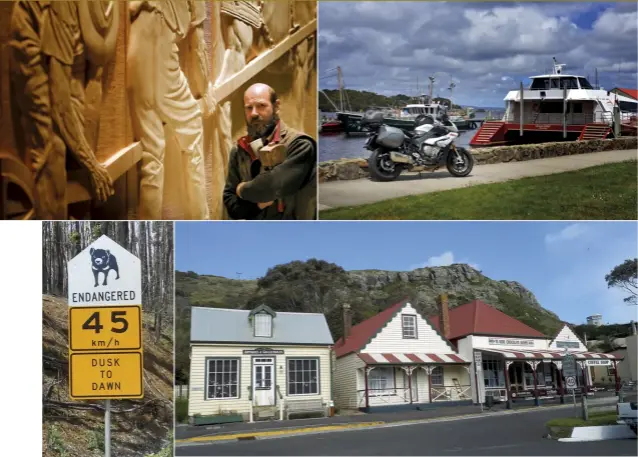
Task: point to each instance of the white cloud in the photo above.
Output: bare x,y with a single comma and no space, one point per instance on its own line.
443,260
569,233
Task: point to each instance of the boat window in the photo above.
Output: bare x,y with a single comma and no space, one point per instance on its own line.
568,83
628,106
554,82
551,107
577,108
540,84
584,84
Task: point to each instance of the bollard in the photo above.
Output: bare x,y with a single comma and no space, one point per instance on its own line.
584,407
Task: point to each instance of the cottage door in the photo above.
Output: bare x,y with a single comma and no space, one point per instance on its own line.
263,385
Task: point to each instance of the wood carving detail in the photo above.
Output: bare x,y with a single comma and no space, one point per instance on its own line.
53,46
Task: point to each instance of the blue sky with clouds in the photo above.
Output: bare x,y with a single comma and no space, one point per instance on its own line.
486,48
562,263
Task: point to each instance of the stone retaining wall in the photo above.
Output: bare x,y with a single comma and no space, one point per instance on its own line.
348,169
500,154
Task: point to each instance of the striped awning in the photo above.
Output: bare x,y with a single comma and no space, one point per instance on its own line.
410,359
546,355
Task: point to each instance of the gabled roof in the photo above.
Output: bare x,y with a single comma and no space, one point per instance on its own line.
570,327
361,333
232,326
631,92
478,318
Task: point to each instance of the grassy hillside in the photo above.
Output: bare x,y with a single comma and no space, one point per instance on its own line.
68,431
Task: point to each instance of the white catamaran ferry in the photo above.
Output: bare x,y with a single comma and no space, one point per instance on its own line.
555,104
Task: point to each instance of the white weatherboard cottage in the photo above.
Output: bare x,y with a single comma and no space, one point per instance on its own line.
258,363
398,360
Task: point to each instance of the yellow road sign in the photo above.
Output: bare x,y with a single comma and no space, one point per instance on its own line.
105,328
102,375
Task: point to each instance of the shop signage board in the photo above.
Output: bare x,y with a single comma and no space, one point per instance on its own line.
510,342
262,351
569,365
567,344
598,362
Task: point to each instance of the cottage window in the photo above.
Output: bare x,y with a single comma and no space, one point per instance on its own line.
380,381
437,376
610,371
222,378
263,325
303,376
409,326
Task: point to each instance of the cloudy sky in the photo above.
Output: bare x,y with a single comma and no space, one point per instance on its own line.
485,48
564,264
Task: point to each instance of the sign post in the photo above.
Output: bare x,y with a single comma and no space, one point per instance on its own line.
105,327
569,372
478,367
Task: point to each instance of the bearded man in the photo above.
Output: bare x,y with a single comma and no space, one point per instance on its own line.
272,172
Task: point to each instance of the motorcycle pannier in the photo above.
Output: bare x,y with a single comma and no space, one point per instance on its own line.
390,137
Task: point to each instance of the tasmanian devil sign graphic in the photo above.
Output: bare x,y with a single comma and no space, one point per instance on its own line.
105,274
102,261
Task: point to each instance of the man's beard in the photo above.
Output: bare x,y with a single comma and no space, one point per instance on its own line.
262,130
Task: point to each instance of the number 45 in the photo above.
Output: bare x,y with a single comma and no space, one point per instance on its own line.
115,319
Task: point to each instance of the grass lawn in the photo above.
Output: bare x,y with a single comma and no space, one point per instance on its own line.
595,418
599,193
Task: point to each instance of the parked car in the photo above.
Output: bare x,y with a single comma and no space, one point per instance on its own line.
627,409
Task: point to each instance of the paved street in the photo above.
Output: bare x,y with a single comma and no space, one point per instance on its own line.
511,434
337,194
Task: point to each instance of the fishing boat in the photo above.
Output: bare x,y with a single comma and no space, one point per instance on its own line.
557,107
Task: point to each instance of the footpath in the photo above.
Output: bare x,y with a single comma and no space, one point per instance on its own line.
336,194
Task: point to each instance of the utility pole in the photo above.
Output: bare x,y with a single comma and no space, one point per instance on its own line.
238,275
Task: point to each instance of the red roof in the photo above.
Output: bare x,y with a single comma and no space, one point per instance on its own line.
361,333
631,92
478,318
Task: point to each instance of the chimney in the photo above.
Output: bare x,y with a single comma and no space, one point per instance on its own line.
445,315
347,321
633,328
585,335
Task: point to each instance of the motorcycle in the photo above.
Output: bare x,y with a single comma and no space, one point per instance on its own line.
428,147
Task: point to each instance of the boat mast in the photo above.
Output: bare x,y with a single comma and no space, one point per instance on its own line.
340,81
451,89
431,78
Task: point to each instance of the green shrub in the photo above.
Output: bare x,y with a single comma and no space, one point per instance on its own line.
181,410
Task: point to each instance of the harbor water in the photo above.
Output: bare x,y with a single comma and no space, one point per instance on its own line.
340,146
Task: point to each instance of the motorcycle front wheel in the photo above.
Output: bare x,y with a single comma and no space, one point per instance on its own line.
461,165
381,166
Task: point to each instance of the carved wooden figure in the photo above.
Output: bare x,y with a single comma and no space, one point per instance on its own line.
51,45
161,94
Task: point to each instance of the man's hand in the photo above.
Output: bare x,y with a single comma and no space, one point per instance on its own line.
264,205
240,186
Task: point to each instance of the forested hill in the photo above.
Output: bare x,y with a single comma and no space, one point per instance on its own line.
319,286
361,100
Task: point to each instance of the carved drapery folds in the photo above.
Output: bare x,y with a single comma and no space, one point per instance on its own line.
102,84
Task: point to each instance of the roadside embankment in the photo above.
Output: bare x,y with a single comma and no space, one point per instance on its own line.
351,169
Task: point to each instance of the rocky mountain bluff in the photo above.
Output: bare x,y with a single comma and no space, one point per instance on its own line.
319,286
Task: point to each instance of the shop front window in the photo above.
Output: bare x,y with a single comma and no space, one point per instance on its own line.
493,373
381,380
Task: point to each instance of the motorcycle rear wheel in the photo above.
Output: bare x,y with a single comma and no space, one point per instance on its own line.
381,167
460,170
